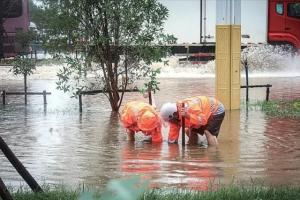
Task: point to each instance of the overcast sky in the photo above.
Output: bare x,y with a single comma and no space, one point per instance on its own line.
184,19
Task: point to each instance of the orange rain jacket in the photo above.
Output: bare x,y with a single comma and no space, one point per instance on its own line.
199,108
139,116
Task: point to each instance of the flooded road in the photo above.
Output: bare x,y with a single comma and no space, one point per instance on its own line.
58,145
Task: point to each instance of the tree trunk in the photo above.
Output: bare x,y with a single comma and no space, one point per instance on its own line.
113,103
25,88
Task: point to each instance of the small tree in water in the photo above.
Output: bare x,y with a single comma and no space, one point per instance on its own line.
119,40
23,66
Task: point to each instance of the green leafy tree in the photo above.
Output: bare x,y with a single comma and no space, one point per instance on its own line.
118,41
23,66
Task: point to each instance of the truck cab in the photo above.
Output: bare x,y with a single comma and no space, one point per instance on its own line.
284,22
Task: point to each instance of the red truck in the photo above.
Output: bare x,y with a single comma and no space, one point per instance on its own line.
284,22
17,20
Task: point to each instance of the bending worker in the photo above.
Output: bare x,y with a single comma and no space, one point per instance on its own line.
203,115
139,116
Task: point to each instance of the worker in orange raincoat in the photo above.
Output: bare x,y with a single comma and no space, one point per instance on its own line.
203,115
139,116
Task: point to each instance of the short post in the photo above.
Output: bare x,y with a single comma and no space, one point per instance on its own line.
45,97
80,103
4,193
19,166
3,97
267,92
183,128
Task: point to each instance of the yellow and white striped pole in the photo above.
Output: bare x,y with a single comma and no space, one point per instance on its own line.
228,53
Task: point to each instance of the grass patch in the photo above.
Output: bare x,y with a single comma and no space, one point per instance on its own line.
58,192
229,193
226,193
286,109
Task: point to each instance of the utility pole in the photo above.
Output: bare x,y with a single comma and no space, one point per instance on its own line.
228,52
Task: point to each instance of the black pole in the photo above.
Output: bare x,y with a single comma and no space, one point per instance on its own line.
4,193
200,21
19,166
80,103
267,93
247,82
3,97
183,128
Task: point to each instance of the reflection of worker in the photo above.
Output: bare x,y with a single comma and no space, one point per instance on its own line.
203,115
192,174
141,158
139,116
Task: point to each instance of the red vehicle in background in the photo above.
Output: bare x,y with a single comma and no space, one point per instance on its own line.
17,19
282,18
284,22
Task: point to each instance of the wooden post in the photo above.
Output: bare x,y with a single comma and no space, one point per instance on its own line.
183,128
267,93
45,97
25,88
4,193
3,97
80,103
19,166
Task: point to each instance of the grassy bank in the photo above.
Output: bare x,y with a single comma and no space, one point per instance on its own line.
289,109
229,193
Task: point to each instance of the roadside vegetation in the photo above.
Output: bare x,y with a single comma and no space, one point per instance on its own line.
285,109
228,193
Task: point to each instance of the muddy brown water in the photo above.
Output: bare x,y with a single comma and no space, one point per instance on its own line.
58,145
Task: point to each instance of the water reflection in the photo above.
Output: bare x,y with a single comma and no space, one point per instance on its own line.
168,164
61,145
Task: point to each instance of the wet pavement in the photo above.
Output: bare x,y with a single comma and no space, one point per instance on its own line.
59,145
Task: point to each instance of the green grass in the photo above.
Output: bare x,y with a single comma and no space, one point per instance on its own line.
226,193
287,109
230,193
50,193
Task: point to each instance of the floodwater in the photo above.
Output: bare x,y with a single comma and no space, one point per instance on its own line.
58,145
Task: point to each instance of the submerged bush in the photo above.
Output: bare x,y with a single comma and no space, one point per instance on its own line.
289,109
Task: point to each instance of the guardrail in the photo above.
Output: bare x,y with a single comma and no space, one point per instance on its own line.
267,86
93,92
44,93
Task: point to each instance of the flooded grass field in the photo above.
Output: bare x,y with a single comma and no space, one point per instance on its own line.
59,145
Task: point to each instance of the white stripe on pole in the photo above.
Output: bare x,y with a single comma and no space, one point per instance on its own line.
228,12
